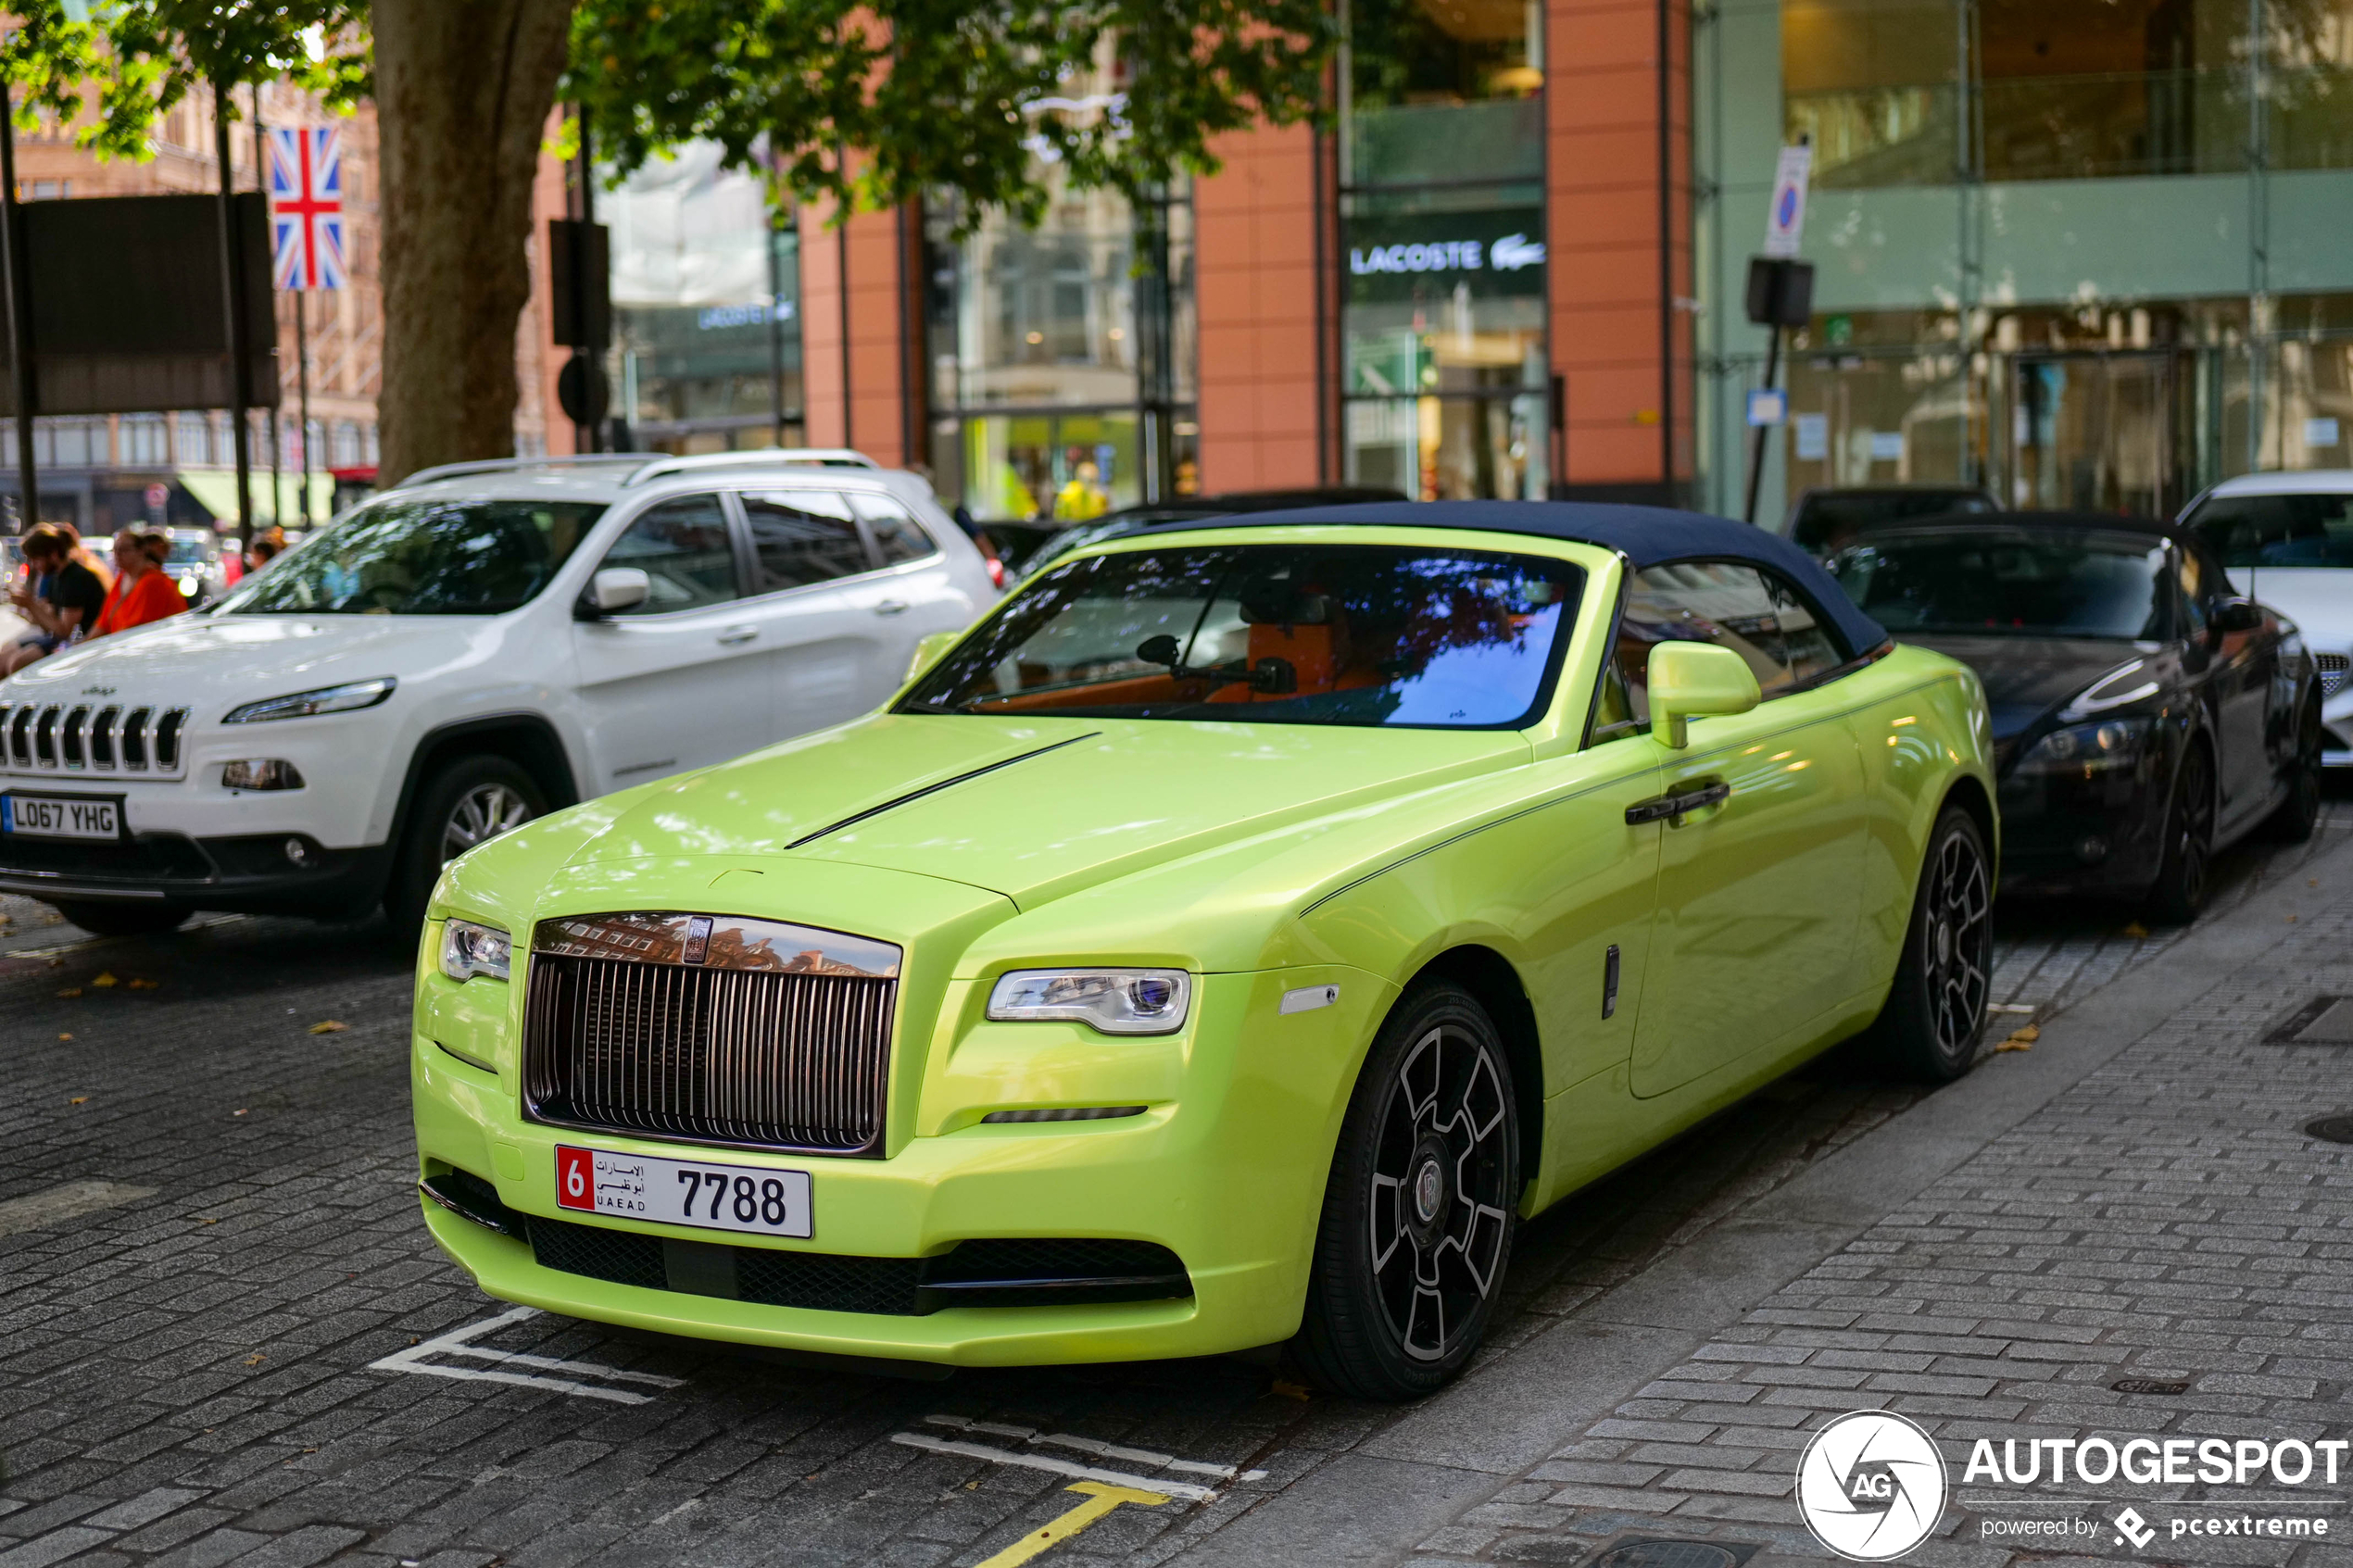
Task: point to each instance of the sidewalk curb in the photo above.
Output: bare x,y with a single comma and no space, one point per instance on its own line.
1458,1450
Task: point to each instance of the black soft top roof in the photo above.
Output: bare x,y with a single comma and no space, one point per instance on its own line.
1645,535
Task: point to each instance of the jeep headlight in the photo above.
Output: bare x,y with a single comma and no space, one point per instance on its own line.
468,950
2090,748
304,704
1113,1001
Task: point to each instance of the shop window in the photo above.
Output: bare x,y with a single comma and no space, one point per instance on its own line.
1449,448
1872,84
707,352
1443,91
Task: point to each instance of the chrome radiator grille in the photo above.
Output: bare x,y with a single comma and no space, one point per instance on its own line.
91,737
710,1029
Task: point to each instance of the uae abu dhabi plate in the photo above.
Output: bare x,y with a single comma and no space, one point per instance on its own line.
683,1192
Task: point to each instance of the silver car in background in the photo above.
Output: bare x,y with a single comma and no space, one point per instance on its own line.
2286,540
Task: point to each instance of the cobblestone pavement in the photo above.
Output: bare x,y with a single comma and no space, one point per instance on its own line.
209,1238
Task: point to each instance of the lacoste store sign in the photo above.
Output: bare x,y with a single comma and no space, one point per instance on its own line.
1430,255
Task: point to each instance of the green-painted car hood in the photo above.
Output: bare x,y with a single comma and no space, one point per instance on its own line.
1064,804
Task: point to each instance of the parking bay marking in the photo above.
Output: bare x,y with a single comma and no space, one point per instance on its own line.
1101,1500
460,1342
1095,1445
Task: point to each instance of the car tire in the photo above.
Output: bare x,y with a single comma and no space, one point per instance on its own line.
463,802
1420,1212
123,920
1935,1018
2299,812
2185,870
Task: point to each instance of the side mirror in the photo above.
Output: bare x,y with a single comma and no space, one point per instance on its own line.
614,588
2237,615
928,651
1693,679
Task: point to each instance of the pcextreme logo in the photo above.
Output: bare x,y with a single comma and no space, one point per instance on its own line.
1870,1485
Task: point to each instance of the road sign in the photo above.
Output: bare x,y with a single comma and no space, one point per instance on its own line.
1785,219
1768,405
305,206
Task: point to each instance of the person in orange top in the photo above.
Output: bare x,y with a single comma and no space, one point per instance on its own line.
142,590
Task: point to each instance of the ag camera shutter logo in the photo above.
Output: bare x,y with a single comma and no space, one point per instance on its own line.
1871,1486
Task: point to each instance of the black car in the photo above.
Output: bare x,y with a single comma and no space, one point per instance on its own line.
1825,521
2143,715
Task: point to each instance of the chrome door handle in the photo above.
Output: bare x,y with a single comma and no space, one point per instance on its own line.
891,607
1670,807
735,634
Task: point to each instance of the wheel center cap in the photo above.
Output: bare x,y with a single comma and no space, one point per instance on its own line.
1943,944
1430,1190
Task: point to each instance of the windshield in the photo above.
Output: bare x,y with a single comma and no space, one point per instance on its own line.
1286,635
2041,584
407,557
2258,531
190,549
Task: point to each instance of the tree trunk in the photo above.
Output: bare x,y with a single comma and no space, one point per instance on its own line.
463,91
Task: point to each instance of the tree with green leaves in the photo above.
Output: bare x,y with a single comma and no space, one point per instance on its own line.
862,105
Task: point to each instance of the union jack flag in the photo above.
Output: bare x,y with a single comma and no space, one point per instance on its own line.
305,206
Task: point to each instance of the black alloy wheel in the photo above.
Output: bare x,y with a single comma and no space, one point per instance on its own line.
2299,809
1935,1013
2178,895
1420,1212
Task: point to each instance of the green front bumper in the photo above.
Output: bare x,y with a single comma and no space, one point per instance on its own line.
1226,1169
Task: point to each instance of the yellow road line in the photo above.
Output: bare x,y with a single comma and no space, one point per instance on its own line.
1101,1500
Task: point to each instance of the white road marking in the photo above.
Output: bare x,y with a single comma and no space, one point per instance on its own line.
1100,1449
64,948
1051,1466
458,1342
42,1209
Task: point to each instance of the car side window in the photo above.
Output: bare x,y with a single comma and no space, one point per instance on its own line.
898,537
683,549
1612,708
1756,614
802,537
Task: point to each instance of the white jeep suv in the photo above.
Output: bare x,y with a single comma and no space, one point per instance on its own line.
453,657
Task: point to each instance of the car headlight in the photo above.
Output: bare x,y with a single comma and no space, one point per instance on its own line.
468,950
1114,1001
303,705
2090,748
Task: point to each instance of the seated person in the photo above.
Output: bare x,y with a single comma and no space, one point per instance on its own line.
142,590
62,599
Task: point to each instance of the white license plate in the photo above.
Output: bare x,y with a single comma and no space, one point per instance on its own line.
683,1192
59,816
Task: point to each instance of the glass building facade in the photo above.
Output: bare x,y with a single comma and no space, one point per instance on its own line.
706,351
1061,357
2082,253
1442,282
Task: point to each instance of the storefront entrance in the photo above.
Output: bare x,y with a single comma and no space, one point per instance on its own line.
2098,432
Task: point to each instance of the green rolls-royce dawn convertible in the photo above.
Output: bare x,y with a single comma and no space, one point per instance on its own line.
1225,942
